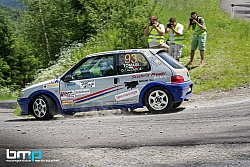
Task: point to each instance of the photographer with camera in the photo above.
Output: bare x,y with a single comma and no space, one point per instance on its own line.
199,37
176,38
155,33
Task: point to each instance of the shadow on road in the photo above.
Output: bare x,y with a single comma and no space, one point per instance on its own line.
32,119
146,112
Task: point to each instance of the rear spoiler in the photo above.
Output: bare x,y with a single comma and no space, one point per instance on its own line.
155,51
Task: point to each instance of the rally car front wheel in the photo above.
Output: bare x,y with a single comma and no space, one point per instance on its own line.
43,107
158,99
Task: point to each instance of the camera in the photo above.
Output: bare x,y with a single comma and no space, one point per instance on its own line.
191,19
152,22
169,25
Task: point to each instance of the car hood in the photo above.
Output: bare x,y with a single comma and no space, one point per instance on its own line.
43,85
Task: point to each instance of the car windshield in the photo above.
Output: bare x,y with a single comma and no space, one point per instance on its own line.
175,64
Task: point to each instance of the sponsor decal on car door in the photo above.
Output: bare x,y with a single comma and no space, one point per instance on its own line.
102,94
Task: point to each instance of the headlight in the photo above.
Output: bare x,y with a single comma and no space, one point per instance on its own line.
21,94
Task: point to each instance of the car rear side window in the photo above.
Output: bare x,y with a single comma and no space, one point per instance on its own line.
170,60
129,63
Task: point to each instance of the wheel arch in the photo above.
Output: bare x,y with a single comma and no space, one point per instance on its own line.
148,87
34,95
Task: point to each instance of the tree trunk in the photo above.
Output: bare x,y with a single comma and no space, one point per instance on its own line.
45,34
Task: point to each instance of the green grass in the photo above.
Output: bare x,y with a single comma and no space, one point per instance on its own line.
7,96
17,111
226,57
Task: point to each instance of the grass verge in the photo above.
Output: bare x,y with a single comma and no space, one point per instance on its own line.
17,111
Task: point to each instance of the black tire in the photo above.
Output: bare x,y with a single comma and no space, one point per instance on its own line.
158,100
43,108
176,105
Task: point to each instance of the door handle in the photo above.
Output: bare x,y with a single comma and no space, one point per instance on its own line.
115,80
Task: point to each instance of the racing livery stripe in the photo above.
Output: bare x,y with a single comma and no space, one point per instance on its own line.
89,101
96,93
98,97
95,96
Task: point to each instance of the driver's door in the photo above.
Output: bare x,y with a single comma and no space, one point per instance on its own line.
92,84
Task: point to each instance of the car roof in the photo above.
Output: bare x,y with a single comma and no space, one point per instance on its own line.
154,51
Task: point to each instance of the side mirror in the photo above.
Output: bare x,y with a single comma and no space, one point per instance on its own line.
68,78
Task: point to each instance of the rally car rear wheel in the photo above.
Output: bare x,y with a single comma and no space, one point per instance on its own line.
176,105
158,100
43,107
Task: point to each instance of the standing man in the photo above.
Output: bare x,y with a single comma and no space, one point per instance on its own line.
176,38
155,33
199,37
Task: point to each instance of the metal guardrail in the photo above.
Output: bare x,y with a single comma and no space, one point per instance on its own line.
240,5
8,104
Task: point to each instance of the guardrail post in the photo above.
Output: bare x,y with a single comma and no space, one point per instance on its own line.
232,11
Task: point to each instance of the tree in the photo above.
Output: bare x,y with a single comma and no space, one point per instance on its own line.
6,51
24,64
120,22
45,26
17,64
51,24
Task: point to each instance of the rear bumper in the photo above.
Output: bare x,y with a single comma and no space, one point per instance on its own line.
180,91
24,105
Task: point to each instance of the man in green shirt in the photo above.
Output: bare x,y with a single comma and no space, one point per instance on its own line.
199,37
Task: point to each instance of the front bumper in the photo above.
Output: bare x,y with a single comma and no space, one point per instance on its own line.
24,105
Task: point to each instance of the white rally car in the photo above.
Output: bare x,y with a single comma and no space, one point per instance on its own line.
118,79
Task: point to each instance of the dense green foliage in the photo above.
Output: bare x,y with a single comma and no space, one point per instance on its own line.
17,62
50,24
56,34
9,3
6,51
8,93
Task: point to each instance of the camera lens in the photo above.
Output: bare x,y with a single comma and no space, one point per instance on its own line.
169,25
152,22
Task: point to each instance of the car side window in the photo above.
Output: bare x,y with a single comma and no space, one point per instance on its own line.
129,63
93,67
